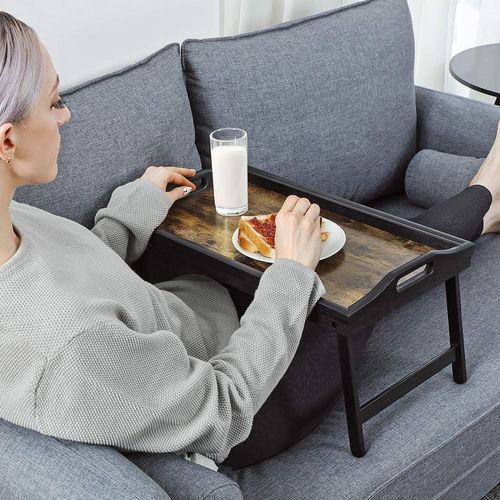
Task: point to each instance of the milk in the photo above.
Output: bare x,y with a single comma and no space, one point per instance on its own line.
230,179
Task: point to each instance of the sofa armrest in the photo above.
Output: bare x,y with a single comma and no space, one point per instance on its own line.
455,124
181,478
38,466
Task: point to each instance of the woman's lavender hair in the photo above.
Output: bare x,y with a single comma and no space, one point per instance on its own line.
22,69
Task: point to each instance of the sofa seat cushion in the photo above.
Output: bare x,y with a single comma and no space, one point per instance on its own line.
120,124
328,101
398,205
413,445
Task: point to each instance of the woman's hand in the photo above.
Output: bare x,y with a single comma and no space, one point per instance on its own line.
162,176
298,233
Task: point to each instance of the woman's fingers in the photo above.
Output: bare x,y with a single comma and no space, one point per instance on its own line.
289,203
180,179
297,225
178,192
162,176
184,171
313,211
302,206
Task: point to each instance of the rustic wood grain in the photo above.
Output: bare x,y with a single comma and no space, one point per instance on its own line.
368,255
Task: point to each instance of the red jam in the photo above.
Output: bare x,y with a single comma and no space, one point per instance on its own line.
266,229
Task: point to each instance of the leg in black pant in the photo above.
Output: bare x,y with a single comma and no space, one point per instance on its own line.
312,382
461,215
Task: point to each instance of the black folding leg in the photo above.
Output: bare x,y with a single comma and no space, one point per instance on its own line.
351,398
356,415
455,326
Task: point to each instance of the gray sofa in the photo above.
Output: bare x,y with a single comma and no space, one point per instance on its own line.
328,101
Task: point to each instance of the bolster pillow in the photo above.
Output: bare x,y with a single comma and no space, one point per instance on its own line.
433,176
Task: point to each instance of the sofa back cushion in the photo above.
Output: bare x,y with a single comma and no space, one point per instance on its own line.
120,124
328,101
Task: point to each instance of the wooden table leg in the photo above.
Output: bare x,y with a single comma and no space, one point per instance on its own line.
455,327
351,398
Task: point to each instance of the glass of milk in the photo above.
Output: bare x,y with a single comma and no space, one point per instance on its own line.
228,148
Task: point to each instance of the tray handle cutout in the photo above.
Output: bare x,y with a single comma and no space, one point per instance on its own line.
202,176
201,179
408,280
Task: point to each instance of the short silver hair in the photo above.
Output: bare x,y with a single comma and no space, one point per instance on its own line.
22,69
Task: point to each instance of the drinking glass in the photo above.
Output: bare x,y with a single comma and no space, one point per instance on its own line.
229,152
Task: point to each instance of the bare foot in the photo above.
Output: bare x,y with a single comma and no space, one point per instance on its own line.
488,176
491,219
489,172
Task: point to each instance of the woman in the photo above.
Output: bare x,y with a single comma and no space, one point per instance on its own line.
90,352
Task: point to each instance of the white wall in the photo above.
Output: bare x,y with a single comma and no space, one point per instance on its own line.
88,38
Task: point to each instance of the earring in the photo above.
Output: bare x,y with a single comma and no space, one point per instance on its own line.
8,160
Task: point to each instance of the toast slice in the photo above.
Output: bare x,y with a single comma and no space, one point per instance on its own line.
259,230
256,233
246,243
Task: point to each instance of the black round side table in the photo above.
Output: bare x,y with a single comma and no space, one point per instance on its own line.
479,69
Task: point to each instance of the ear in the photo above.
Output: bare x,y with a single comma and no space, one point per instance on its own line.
7,143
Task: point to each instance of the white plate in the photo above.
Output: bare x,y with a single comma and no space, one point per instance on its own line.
333,244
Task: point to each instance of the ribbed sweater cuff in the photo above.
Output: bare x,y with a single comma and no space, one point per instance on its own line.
160,193
294,279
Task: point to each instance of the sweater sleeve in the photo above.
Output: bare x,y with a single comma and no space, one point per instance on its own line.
134,211
114,386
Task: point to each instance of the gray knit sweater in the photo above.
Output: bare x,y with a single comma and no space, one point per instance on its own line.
91,352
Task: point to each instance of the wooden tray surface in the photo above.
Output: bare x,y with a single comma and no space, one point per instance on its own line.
368,255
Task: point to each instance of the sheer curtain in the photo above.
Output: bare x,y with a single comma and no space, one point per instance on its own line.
477,22
445,27
442,28
240,16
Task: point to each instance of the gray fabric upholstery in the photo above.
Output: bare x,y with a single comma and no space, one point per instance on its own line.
37,466
334,113
41,467
433,176
183,479
485,476
413,445
121,123
455,124
398,205
328,101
